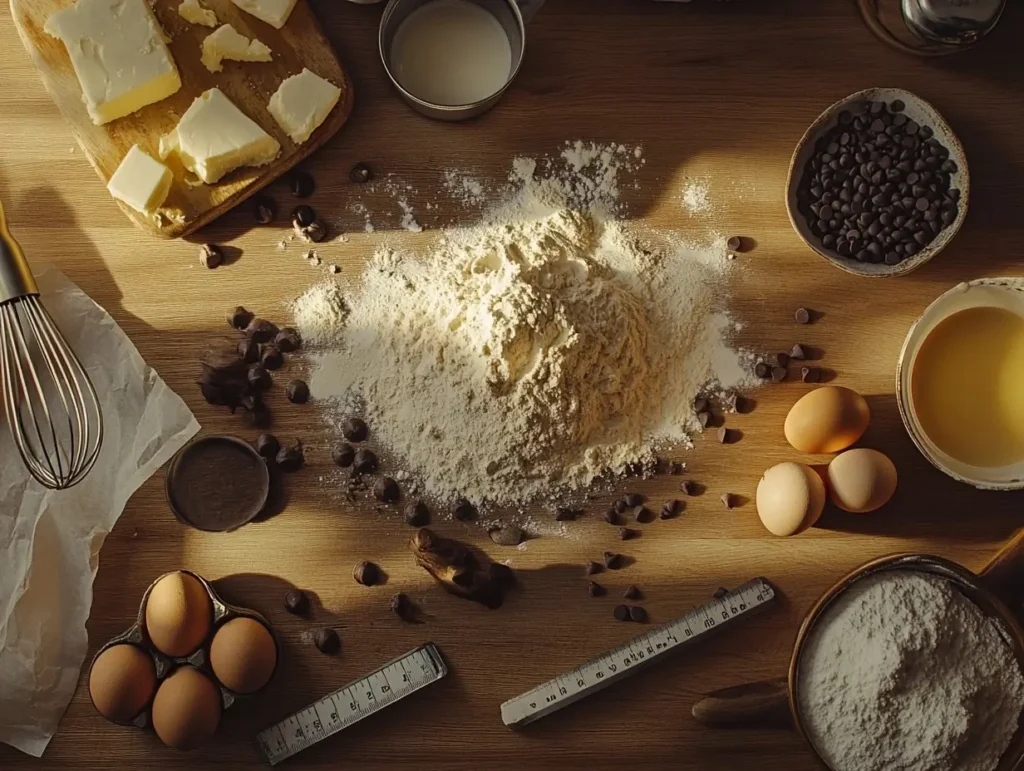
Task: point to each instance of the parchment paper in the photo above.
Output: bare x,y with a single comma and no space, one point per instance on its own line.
50,541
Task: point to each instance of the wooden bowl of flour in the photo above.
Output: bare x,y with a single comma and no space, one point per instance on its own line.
777,703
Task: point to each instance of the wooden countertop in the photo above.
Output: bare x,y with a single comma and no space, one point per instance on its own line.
713,91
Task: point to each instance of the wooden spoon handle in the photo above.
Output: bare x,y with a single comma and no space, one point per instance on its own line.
1004,575
752,705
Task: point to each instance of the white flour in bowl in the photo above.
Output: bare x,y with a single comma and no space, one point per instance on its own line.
904,672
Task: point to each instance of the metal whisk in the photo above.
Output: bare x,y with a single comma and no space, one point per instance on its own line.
50,402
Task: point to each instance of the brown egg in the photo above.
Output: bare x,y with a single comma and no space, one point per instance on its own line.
121,682
186,710
179,614
790,498
861,480
243,655
828,419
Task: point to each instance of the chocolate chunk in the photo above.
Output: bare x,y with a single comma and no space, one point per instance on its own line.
688,487
364,462
779,374
355,429
566,514
267,446
296,602
360,174
465,511
705,419
782,359
612,561
720,592
621,613
643,515
210,256
798,353
417,514
386,490
327,641
810,375
596,590
291,458
297,392
510,535
638,614
366,573
260,330
249,350
594,567
303,216
762,370
301,184
724,435
288,340
633,500
632,592
727,500
802,316
403,607
627,533
240,317
272,358
264,209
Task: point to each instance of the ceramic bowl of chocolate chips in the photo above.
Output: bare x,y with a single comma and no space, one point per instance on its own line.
879,184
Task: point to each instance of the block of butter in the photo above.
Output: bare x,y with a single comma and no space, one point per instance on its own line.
228,43
301,103
192,12
140,181
273,12
119,53
214,138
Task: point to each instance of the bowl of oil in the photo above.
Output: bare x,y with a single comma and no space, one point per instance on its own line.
960,380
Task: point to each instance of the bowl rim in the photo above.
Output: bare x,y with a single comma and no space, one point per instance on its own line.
819,125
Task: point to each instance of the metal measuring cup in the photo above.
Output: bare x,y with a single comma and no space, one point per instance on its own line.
513,15
776,703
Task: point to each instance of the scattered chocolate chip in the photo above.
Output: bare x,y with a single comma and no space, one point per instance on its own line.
301,184
267,446
509,535
638,614
366,573
700,404
798,353
621,613
810,374
360,174
620,506
403,607
210,256
565,514
705,419
643,515
240,317
272,358
633,500
288,340
733,402
779,374
260,330
596,590
258,377
593,567
782,359
734,244
612,561
612,517
316,231
355,429
296,601
291,458
727,500
364,462
802,316
671,508
386,490
297,392
632,592
677,468
249,350
327,641
465,511
724,435
303,216
720,592
264,209
688,487
417,514
627,533
344,455
762,370
257,416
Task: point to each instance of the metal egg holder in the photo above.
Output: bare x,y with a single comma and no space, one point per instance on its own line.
165,665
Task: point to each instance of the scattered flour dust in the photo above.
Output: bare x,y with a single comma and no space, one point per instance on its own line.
696,197
541,349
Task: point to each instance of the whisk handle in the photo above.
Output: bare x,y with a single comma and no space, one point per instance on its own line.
16,278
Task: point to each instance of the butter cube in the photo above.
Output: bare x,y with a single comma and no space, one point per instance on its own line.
228,43
192,12
140,181
214,138
119,53
273,12
301,103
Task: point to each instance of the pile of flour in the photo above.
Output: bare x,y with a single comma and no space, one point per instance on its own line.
904,672
534,352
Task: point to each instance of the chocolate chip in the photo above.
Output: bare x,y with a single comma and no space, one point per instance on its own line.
612,561
256,416
295,601
272,358
632,592
734,244
810,374
403,607
386,490
364,462
465,511
301,184
260,330
700,404
288,340
621,506
782,359
643,515
566,514
366,573
671,508
239,318
291,458
677,468
210,256
316,232
621,613
720,592
627,533
802,316
705,419
596,590
762,370
727,500
264,209
355,429
612,517
638,614
297,392
267,446
344,455
249,350
688,487
798,353
724,435
303,216
594,567
898,105
510,535
779,374
633,500
360,174
327,641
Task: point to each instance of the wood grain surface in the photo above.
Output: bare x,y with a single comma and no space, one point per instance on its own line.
300,44
715,92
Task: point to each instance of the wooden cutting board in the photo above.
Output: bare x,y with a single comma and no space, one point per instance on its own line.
301,43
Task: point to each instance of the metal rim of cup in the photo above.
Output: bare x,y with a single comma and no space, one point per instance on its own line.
449,112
